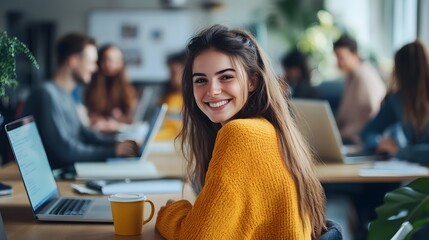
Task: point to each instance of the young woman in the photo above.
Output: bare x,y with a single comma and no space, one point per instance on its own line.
407,103
110,98
254,169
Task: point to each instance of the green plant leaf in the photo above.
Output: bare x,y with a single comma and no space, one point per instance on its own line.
407,203
9,48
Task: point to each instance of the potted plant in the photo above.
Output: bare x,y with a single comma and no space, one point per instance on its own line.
404,212
9,48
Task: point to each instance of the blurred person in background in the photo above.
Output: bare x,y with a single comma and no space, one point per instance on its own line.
173,97
110,98
363,91
408,104
64,137
298,75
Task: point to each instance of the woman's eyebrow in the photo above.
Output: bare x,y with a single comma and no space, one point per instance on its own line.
217,73
198,74
225,70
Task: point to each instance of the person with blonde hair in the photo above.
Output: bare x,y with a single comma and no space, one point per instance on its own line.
253,167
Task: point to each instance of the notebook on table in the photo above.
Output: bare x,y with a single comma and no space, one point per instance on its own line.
121,168
316,122
42,190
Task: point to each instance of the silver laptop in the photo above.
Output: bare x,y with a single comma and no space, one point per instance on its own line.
139,125
143,105
39,182
132,168
315,120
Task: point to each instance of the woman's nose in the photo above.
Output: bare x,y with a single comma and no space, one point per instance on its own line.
214,89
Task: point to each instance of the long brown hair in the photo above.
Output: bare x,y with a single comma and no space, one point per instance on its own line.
267,100
105,93
411,80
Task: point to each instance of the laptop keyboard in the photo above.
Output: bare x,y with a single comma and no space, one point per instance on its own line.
69,206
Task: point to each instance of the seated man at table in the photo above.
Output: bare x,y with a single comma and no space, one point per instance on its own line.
64,137
363,91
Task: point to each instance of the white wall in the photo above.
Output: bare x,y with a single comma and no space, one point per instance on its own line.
370,20
380,26
355,17
72,15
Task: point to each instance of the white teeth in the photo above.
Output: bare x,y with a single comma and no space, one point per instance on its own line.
218,104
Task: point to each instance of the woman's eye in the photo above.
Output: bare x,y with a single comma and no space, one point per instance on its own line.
226,77
199,80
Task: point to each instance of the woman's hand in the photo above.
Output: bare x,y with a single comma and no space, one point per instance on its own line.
127,148
170,201
387,145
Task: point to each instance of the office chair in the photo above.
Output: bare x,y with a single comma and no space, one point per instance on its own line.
333,231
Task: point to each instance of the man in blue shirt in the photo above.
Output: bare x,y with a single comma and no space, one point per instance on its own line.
64,137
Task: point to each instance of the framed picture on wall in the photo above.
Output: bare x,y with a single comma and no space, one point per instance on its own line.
146,37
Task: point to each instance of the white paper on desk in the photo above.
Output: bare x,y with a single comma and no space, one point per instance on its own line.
123,170
394,167
145,186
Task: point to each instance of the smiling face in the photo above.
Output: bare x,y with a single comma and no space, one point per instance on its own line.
220,87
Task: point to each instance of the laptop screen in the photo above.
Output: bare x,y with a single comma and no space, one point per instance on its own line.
32,161
154,126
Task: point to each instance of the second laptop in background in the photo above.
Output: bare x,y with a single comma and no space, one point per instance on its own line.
316,123
121,168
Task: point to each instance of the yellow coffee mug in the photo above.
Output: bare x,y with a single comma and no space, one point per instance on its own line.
128,213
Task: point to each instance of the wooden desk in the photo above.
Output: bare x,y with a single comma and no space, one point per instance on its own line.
20,223
349,173
173,166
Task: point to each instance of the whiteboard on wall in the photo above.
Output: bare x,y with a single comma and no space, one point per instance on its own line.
147,37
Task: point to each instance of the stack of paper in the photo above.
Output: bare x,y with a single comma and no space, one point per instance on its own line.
156,186
394,167
145,186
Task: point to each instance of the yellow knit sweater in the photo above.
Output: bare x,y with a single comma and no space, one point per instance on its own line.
248,193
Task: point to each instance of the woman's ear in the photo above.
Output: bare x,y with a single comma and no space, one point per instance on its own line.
252,84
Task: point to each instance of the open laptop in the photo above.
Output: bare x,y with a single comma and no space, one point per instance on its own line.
143,105
315,120
132,168
42,191
139,125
